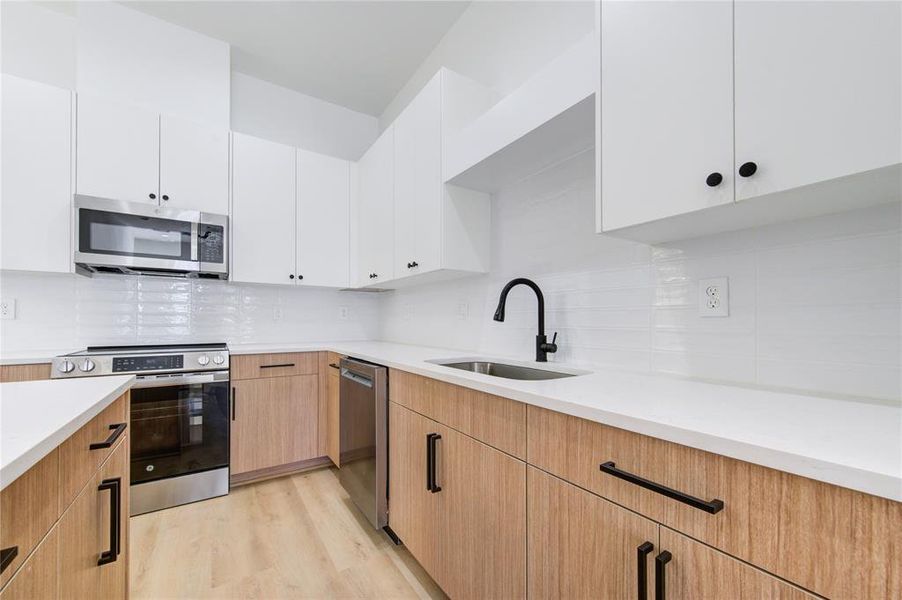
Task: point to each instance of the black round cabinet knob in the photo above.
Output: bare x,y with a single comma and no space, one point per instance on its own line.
300,277
714,179
152,196
748,169
165,197
291,277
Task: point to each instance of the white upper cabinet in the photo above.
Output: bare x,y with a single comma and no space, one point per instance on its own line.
194,166
717,116
375,199
36,159
263,211
666,109
818,91
117,151
323,220
128,153
418,183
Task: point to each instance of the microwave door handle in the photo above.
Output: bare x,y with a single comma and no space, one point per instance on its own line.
194,240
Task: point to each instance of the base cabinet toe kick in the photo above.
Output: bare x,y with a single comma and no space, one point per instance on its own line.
496,499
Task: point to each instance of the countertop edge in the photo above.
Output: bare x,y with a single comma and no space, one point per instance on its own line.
15,469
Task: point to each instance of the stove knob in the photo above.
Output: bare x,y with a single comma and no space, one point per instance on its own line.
87,366
66,367
203,360
218,359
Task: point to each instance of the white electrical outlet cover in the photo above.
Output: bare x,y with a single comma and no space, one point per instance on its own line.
714,297
8,309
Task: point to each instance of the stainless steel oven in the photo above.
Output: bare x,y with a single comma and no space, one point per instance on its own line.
133,237
179,418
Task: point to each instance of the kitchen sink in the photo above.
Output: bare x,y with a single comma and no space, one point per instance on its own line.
507,371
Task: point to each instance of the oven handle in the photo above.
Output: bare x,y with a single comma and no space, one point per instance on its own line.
149,381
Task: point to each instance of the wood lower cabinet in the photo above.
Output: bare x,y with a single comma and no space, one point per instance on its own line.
582,546
39,576
89,532
11,373
470,532
274,422
695,570
332,422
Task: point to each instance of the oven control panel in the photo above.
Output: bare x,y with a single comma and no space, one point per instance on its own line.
166,362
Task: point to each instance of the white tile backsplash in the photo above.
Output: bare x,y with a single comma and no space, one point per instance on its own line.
814,305
71,311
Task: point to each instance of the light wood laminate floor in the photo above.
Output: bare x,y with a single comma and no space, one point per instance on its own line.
297,536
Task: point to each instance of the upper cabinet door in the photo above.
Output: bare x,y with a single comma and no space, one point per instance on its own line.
375,211
117,150
263,211
418,183
666,109
36,161
323,216
194,166
817,91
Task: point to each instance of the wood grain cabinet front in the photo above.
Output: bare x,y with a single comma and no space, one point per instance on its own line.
274,422
459,506
93,555
29,507
38,579
285,364
833,541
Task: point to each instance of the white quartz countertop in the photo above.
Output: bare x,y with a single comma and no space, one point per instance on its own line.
854,443
37,416
847,442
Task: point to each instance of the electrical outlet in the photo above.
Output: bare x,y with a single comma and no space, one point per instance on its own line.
276,313
343,313
8,309
407,312
463,310
714,297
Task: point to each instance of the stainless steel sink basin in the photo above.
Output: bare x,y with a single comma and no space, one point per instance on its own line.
507,371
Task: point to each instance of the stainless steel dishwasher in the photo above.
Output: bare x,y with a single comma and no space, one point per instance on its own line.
364,437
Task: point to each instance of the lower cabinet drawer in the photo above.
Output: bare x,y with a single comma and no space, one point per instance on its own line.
831,540
29,507
83,453
285,364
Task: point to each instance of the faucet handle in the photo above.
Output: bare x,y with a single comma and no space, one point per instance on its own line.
551,346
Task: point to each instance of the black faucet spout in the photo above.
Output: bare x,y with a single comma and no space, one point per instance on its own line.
542,345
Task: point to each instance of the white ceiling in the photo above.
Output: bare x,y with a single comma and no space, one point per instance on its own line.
354,53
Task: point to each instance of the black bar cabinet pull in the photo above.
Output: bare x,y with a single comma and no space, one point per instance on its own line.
7,555
661,561
642,558
276,366
117,429
709,506
234,403
333,365
114,486
429,461
431,438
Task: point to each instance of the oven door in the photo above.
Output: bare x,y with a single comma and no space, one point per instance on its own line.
179,425
134,235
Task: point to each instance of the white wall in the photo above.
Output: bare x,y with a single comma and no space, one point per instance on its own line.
58,313
276,113
139,59
37,43
500,44
815,304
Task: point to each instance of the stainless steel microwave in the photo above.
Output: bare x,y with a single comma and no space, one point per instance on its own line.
112,236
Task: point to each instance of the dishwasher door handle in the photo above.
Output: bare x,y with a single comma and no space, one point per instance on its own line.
356,377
